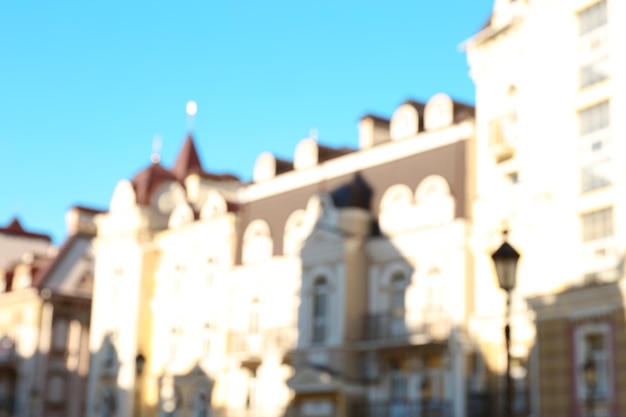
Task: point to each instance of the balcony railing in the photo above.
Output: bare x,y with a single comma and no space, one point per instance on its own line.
383,326
274,339
255,412
402,409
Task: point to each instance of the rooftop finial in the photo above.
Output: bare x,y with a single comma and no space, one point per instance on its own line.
156,150
505,229
191,109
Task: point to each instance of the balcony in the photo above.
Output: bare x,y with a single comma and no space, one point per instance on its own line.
402,409
266,340
388,327
255,412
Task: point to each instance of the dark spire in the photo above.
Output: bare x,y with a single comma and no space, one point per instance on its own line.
188,161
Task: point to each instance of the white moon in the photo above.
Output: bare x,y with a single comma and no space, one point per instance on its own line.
192,108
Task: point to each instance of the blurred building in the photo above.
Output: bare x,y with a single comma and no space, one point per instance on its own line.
550,163
335,284
45,301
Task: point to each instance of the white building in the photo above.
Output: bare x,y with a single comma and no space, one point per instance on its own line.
550,167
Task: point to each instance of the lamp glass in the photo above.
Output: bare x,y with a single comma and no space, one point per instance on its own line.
505,260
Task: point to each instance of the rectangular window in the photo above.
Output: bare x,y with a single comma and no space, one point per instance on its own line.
594,118
319,310
594,72
59,335
596,175
593,353
597,224
592,17
398,388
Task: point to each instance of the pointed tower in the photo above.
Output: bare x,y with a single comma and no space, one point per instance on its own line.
188,161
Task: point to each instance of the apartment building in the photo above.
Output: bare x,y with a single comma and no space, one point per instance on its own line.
334,284
549,82
45,302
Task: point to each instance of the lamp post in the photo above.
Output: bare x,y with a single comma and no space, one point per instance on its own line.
591,382
505,260
140,362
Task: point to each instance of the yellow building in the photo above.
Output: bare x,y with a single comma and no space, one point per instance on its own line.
334,284
45,303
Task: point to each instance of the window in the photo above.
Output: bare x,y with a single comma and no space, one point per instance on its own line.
594,118
107,403
320,308
597,224
398,386
594,72
596,352
210,272
108,347
592,17
8,385
503,129
397,303
434,303
206,339
201,405
56,389
253,325
59,334
593,348
175,334
596,175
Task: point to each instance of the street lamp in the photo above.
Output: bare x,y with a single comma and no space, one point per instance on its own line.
505,260
140,362
591,381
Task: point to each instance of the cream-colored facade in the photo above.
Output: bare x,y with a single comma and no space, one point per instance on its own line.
332,285
360,282
550,168
45,303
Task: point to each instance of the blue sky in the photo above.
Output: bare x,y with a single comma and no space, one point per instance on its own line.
85,86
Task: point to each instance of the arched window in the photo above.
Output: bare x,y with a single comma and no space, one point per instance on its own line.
320,309
397,303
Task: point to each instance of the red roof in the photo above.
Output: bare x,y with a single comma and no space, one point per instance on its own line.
15,229
188,161
148,180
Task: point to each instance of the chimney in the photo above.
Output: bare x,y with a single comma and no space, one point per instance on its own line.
81,220
373,130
